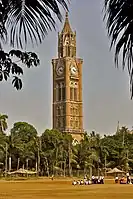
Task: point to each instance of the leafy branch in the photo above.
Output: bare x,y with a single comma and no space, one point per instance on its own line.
10,68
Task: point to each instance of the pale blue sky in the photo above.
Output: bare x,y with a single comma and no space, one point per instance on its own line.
105,89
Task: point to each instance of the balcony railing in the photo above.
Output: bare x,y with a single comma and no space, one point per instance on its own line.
74,130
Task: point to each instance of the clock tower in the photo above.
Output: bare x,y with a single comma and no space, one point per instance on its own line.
67,85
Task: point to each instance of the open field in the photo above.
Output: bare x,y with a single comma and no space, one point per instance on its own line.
60,189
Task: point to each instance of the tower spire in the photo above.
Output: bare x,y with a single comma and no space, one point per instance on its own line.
67,27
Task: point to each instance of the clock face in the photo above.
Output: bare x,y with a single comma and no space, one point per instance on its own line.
60,70
73,70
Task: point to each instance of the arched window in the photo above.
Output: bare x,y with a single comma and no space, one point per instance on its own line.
71,90
63,122
75,91
71,93
77,112
71,110
71,123
57,91
76,123
63,92
58,110
58,123
62,110
75,94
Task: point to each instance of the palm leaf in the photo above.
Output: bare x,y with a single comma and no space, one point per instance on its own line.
89,164
57,168
31,19
119,23
3,17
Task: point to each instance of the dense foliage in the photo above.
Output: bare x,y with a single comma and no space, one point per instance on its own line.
57,153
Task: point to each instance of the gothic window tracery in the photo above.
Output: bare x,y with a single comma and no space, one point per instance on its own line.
75,94
74,91
63,122
58,123
57,111
76,123
63,91
57,90
71,93
71,90
62,110
59,94
76,110
60,91
71,123
71,110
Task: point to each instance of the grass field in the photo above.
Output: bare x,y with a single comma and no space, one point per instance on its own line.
61,189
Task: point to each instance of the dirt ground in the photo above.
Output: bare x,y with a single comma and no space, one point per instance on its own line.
47,189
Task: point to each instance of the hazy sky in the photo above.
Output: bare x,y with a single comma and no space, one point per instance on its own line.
106,94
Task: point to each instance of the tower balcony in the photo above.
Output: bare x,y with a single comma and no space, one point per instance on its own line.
74,131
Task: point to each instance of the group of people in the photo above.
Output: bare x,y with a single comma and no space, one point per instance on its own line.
88,181
81,182
123,180
97,180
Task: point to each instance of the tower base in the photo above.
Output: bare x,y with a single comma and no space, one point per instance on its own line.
77,135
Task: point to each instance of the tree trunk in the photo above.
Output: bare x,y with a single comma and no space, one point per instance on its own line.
36,165
47,166
61,169
18,164
90,174
10,163
56,156
98,173
105,166
69,164
27,162
85,170
78,173
6,160
64,168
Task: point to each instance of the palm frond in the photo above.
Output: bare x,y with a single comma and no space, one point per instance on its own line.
3,17
119,23
89,164
32,20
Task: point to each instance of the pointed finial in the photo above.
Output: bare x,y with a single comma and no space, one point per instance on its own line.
66,27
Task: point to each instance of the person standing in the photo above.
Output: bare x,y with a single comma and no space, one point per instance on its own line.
128,177
116,179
